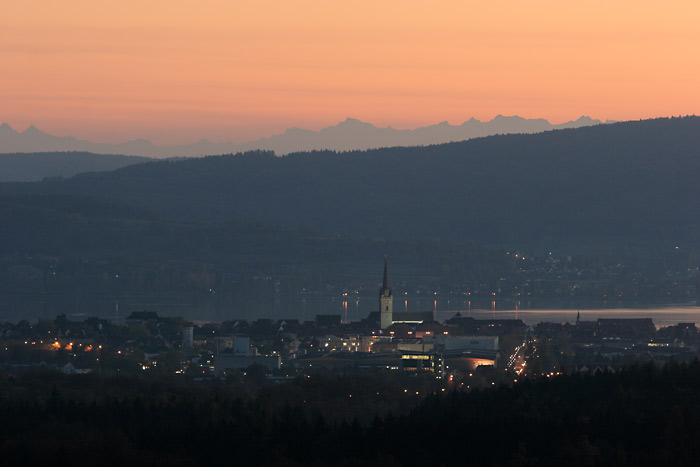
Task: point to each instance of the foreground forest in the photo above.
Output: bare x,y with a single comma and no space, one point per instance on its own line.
642,415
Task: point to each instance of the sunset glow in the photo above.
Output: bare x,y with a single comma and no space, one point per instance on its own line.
175,71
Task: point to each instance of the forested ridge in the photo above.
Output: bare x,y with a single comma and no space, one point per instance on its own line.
642,415
82,254
617,183
28,167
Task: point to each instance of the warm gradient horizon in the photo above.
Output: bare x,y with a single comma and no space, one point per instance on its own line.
176,71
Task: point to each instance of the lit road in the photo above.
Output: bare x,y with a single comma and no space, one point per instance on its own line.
516,361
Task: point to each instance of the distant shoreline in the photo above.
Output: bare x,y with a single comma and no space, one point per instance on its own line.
306,309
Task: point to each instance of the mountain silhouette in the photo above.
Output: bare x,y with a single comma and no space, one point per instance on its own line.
350,134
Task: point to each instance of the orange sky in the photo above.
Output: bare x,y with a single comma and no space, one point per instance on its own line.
175,71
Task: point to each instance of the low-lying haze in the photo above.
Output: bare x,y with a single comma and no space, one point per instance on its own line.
350,134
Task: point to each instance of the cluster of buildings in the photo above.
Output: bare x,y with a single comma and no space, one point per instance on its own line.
386,339
416,342
407,341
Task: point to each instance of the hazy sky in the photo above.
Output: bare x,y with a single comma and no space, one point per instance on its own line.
175,71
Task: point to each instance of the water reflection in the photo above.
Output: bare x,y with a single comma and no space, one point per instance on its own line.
306,308
531,313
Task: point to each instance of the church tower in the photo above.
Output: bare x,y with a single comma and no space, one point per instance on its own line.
386,301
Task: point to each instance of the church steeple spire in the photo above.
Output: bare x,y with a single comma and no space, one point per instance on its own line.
386,299
385,282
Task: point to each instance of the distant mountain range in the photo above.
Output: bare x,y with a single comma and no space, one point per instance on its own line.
350,134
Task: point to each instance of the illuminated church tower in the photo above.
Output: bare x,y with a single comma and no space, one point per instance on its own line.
386,301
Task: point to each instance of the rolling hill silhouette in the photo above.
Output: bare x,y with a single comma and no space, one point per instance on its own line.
624,182
28,167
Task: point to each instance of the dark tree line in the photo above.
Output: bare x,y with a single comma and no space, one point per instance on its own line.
642,415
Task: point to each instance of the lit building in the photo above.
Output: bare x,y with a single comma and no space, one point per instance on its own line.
469,352
421,361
